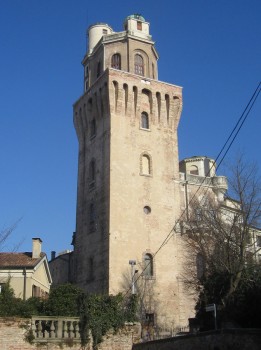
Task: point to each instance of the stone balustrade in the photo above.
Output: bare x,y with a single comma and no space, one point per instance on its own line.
215,181
54,329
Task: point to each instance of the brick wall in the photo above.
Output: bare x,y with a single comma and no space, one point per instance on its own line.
13,332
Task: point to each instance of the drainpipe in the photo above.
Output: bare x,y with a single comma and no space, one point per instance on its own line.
186,196
24,292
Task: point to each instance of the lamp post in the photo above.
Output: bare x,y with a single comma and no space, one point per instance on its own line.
132,263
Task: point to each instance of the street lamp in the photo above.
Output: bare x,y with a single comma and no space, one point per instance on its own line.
133,271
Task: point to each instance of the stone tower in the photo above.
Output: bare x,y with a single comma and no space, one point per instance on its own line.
128,174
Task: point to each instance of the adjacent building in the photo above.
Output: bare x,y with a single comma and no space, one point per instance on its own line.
27,272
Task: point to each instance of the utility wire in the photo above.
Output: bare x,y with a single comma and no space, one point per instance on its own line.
247,111
234,132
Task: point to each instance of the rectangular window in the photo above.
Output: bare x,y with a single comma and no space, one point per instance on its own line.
1,287
36,292
105,31
139,25
258,241
150,319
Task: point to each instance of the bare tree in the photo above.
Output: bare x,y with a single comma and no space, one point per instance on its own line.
5,234
144,291
222,237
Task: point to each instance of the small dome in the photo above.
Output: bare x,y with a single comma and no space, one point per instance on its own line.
136,16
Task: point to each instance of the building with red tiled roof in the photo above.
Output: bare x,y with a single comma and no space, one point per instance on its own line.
28,272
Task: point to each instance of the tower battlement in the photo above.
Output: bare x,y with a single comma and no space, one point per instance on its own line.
129,96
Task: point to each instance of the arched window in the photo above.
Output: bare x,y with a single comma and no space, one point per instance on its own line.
193,170
138,65
92,173
116,61
144,121
145,165
148,265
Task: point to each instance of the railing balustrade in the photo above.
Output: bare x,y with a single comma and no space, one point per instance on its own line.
51,328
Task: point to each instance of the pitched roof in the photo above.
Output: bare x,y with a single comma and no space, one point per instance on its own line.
19,260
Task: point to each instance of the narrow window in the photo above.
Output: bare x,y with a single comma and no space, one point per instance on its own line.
138,65
98,69
116,61
148,265
86,71
153,71
92,213
144,121
92,174
36,291
139,25
201,266
146,165
93,128
86,78
90,269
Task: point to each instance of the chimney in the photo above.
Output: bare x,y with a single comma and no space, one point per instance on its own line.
53,254
37,248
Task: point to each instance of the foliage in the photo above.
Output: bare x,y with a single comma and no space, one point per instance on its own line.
244,308
29,336
8,302
12,306
220,238
63,301
101,313
131,307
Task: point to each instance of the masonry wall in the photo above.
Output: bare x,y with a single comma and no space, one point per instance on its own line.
13,332
132,232
237,339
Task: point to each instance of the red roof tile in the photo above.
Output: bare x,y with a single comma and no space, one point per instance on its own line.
18,260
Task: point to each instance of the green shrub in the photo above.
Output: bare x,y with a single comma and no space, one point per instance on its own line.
63,301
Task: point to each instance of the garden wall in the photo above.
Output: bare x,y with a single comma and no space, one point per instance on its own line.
227,339
13,332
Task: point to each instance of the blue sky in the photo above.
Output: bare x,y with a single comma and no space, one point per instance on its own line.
210,47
